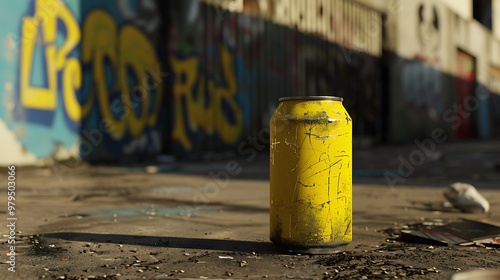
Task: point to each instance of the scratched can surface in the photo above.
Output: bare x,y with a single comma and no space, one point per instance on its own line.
311,175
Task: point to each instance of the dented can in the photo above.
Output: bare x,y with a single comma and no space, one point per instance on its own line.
311,175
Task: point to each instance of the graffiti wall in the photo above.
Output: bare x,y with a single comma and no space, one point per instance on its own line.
122,88
121,80
81,79
40,78
231,63
207,105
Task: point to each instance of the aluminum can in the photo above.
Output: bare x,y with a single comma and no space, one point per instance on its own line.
311,175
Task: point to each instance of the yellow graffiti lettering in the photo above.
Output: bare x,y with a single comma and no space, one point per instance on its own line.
36,97
228,132
188,68
211,118
101,43
125,49
137,52
72,76
42,29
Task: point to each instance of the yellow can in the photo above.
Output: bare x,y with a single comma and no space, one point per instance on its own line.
311,175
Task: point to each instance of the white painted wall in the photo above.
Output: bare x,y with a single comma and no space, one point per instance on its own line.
423,32
463,8
479,47
495,52
11,150
379,5
496,19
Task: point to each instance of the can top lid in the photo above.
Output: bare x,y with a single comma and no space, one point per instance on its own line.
322,97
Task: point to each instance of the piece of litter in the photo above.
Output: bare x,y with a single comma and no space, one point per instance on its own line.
459,232
466,198
151,169
226,257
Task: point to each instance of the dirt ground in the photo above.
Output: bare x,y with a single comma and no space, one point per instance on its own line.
138,221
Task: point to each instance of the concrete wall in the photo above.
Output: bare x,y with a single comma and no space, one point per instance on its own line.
463,8
417,80
495,9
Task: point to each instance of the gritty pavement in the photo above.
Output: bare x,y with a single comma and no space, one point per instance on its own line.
175,221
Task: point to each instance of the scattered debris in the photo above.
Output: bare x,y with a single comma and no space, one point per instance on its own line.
466,198
226,257
457,232
351,265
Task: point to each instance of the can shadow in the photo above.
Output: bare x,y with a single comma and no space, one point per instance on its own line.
260,247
